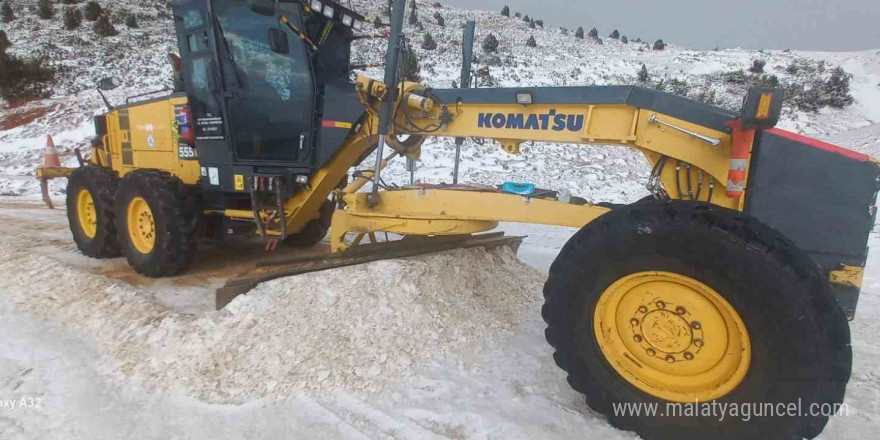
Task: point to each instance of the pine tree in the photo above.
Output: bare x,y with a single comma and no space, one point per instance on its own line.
517,15
4,42
104,27
72,18
506,11
594,33
409,65
131,21
532,24
413,17
440,21
836,89
643,74
624,40
490,44
526,19
579,33
615,35
531,42
6,12
428,42
412,5
659,45
540,23
93,10
22,79
45,10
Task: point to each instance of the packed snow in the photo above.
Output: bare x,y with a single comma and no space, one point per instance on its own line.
354,328
441,346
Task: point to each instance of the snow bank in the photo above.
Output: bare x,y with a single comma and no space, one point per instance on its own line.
355,328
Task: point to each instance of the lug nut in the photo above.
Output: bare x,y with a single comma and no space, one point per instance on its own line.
634,322
643,309
637,338
680,310
650,352
698,342
688,355
661,305
670,358
695,325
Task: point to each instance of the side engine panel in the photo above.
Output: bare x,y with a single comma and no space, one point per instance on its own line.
147,135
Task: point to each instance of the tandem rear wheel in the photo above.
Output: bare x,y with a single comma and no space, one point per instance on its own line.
157,225
663,304
91,195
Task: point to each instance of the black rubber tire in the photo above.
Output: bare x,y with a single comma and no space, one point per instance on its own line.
609,205
799,335
314,231
174,217
101,183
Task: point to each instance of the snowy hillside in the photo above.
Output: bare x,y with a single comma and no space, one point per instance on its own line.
139,57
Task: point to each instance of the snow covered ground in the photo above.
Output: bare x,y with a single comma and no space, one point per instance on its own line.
97,351
91,347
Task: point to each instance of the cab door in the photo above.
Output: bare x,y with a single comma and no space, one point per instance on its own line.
202,80
269,77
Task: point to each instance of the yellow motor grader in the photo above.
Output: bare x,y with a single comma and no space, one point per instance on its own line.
732,283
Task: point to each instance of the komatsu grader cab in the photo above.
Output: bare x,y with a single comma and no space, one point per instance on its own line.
731,283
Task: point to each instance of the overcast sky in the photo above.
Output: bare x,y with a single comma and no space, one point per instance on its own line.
834,25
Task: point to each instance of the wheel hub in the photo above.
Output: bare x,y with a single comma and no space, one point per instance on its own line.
141,227
672,336
86,213
665,331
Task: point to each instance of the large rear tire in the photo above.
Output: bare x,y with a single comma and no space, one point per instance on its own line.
91,192
157,223
663,302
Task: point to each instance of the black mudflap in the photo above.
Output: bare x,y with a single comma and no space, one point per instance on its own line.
819,195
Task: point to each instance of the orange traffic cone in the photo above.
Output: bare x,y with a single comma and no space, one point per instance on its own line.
50,157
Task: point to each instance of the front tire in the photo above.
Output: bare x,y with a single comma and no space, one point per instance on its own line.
631,292
315,230
156,223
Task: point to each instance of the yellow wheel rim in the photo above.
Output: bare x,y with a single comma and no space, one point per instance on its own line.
86,213
672,337
141,227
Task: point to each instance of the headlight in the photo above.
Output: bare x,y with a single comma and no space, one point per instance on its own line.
524,98
316,5
347,20
328,11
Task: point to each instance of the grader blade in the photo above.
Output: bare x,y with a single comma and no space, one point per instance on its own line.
271,269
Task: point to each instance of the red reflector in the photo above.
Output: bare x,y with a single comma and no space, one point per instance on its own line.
185,128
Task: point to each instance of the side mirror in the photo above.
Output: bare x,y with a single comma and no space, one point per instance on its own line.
109,83
262,7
